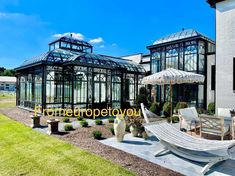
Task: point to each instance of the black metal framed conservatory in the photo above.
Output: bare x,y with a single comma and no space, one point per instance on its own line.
69,75
185,50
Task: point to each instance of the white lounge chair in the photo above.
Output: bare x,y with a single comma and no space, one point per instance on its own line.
148,115
189,119
190,147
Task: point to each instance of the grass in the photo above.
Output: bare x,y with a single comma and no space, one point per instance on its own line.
7,96
27,152
7,104
7,100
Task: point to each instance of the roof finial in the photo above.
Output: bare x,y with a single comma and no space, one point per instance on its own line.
182,29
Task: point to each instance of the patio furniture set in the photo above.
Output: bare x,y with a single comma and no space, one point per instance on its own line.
221,124
191,147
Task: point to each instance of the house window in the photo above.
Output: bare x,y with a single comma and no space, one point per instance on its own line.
213,77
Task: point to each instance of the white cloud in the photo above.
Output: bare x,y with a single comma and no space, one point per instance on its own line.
96,40
101,46
78,36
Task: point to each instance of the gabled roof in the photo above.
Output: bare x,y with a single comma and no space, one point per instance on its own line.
181,35
9,79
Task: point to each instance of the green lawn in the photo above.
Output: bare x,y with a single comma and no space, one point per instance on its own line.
7,96
24,151
7,104
7,100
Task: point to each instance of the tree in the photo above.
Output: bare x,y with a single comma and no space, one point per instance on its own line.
8,72
2,69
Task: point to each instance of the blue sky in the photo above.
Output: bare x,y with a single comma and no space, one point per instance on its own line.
116,28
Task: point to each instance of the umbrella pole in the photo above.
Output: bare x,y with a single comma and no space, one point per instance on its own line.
171,101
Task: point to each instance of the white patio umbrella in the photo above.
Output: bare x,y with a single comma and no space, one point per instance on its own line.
173,76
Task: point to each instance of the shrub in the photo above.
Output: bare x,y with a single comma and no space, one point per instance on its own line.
79,118
84,123
201,111
99,122
155,108
97,134
111,120
142,97
66,120
211,108
112,130
180,105
167,109
68,127
175,119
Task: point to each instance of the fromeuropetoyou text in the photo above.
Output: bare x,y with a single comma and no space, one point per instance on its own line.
77,112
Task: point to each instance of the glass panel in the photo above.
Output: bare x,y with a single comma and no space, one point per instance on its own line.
100,87
116,88
200,95
96,92
38,89
29,88
156,62
201,63
172,56
131,89
80,88
103,92
201,47
67,89
191,62
54,85
22,90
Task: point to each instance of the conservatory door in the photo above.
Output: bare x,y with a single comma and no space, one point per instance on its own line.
100,89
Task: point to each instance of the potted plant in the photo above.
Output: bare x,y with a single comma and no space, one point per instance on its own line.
136,127
119,127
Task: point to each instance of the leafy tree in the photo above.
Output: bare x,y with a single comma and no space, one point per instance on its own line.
2,70
7,72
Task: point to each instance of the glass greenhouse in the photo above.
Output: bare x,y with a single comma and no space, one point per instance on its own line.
69,75
186,50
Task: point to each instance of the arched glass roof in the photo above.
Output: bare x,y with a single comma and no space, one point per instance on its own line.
66,57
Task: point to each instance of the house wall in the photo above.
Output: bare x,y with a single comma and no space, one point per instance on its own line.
210,93
7,86
225,51
135,57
